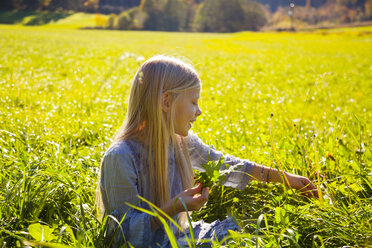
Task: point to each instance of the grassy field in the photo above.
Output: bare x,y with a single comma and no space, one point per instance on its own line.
63,96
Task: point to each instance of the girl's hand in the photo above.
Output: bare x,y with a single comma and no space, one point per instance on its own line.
302,184
194,198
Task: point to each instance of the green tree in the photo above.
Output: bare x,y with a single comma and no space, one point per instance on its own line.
26,4
154,10
175,15
6,4
110,21
171,15
229,16
254,15
368,9
53,5
192,7
132,19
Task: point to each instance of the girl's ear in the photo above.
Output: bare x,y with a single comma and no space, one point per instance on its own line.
165,102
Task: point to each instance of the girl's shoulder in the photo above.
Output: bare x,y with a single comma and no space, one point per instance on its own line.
194,142
128,147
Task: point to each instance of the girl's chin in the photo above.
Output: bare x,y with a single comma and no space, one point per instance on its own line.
183,132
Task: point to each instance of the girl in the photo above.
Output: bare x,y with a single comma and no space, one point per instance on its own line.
154,154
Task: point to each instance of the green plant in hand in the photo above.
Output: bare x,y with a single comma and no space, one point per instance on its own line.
213,175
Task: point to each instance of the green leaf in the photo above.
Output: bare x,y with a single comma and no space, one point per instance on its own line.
69,230
281,216
213,174
41,232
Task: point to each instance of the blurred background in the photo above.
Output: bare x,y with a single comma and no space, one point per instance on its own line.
189,15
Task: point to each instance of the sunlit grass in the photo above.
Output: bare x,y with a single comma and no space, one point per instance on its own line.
77,20
64,94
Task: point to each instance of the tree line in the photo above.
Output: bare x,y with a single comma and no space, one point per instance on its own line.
166,15
328,11
205,15
183,15
51,5
117,6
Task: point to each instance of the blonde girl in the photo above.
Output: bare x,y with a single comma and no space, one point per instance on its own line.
154,154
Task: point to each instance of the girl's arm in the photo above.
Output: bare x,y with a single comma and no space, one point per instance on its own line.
267,174
200,153
194,199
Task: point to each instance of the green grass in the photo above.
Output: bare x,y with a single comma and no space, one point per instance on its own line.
63,96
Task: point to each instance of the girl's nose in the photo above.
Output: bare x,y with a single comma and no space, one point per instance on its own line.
198,111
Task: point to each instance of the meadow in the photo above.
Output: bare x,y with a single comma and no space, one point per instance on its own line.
63,96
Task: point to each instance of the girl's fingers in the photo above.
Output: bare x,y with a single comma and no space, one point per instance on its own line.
201,199
194,197
195,190
304,185
310,190
313,190
315,193
205,193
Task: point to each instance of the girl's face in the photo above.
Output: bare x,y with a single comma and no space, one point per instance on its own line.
186,111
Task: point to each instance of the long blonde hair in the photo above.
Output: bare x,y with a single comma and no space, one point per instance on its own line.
145,118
